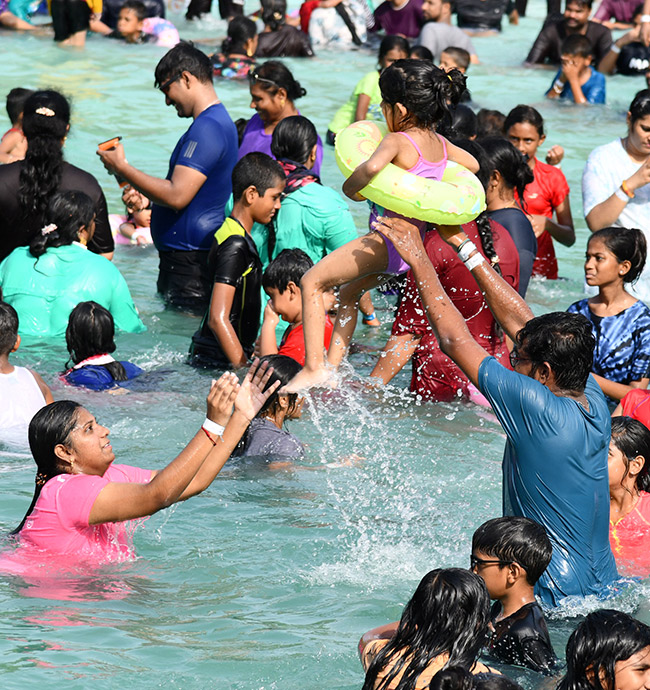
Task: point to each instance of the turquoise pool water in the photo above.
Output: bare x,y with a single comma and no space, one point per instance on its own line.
268,579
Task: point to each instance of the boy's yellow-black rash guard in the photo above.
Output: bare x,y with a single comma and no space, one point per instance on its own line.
234,261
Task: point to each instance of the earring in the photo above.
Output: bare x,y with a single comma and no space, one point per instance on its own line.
71,466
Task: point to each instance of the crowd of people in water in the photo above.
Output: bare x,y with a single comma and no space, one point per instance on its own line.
250,240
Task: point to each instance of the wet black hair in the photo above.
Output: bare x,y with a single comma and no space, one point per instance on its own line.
452,678
459,55
524,114
565,341
90,332
582,3
16,103
463,121
255,169
240,30
577,44
50,426
517,540
8,328
447,614
289,266
420,53
494,681
69,211
183,57
136,6
274,75
501,155
46,119
626,244
274,13
640,106
603,638
293,139
423,89
389,43
633,438
490,123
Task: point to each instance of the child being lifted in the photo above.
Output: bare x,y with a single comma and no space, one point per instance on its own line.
415,97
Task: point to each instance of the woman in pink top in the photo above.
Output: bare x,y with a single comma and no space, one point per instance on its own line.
82,500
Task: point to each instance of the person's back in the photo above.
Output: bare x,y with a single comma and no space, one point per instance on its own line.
555,460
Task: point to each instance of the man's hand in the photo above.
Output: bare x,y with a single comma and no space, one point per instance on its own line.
114,159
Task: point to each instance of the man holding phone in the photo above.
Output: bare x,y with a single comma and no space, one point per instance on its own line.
188,205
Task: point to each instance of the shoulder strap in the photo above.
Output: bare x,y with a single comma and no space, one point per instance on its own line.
410,138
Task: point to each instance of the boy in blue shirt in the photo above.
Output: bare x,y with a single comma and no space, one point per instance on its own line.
510,554
576,79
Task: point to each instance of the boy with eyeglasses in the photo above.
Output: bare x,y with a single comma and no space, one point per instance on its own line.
510,554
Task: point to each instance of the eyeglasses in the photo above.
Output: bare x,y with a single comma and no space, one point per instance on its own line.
515,358
475,562
166,84
253,78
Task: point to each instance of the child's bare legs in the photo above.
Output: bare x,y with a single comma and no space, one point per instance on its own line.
362,257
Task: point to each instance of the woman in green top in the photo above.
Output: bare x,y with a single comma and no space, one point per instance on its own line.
45,281
365,102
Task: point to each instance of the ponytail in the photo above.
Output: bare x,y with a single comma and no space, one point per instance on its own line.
501,155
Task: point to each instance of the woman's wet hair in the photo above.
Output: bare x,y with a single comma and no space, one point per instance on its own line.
274,13
448,614
603,638
8,328
50,426
294,139
464,124
240,30
502,156
524,114
640,106
423,89
633,438
46,120
389,43
274,75
90,332
183,57
565,342
69,212
289,266
626,244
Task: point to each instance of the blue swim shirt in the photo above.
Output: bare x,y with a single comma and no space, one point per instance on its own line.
555,472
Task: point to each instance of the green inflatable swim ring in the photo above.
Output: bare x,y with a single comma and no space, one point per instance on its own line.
456,199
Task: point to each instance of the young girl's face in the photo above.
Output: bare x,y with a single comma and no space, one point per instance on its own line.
525,138
616,466
391,57
601,266
633,673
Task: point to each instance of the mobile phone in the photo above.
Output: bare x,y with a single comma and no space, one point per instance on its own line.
109,144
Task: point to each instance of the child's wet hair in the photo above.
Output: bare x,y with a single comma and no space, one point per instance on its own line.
633,438
8,328
256,169
16,103
136,6
517,540
490,123
294,139
423,89
626,244
289,266
68,212
240,30
577,44
284,369
421,53
389,43
524,114
459,55
464,124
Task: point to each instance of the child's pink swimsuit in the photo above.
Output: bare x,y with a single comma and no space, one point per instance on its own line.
423,168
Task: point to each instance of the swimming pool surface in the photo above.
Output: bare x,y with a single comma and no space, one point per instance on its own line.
268,579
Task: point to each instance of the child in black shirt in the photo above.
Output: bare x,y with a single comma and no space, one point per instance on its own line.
510,554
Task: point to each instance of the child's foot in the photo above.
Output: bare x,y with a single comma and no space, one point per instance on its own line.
323,377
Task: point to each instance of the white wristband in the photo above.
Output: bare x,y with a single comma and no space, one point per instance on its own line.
475,261
622,195
645,19
466,249
213,427
615,49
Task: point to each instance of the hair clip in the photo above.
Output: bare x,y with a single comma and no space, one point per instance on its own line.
48,229
494,260
48,112
41,479
277,16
